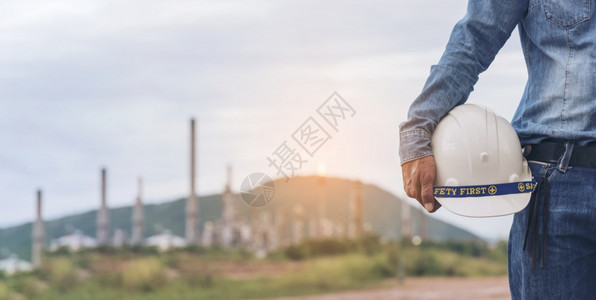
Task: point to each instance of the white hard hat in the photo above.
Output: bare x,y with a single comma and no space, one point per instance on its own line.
480,168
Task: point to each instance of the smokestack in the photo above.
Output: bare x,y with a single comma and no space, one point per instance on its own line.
406,222
321,208
281,222
356,211
103,219
297,224
38,234
229,214
254,227
229,177
138,217
191,201
423,228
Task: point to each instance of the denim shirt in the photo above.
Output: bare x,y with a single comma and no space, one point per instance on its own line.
558,38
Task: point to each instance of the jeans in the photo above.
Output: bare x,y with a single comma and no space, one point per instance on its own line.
569,265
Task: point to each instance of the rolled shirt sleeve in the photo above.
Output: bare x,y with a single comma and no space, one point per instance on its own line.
474,42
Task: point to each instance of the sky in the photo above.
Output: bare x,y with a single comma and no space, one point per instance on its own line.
88,84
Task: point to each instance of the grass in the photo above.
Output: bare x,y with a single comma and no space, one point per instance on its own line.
219,274
320,275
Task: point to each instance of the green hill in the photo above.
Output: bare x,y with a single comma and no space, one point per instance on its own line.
381,209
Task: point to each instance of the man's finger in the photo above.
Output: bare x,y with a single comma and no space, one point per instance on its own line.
437,206
415,184
427,177
418,178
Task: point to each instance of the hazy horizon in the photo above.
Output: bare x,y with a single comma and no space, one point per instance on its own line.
91,84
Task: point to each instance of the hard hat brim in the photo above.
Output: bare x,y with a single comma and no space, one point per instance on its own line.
487,206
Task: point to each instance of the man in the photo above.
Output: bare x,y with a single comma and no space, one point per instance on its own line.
552,244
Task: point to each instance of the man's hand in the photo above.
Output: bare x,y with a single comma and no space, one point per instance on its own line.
419,176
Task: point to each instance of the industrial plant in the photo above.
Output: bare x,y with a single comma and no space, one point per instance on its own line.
257,230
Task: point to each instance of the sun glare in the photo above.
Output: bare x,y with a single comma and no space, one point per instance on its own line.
321,169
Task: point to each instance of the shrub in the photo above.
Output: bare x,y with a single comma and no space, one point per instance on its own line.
28,285
144,274
296,252
203,280
368,244
60,272
4,291
426,264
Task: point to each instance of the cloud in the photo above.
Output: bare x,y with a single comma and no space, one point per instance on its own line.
86,84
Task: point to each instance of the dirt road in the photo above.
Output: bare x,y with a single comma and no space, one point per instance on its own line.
426,288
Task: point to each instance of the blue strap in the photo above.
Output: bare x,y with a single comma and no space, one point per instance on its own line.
484,190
